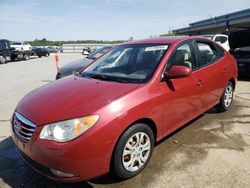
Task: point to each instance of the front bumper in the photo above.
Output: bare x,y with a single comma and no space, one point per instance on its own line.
79,157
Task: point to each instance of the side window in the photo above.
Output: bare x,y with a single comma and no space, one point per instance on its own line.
220,51
184,56
208,53
217,39
7,45
223,39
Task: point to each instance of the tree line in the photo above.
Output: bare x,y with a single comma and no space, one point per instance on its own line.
45,42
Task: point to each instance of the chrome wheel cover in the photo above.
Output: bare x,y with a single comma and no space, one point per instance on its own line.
136,152
228,97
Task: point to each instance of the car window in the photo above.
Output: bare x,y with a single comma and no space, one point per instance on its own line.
16,43
217,39
128,63
223,39
207,52
220,51
183,56
7,45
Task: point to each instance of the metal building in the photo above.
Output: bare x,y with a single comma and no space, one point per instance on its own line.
219,24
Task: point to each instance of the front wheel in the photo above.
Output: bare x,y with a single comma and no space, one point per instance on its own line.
133,151
2,60
226,98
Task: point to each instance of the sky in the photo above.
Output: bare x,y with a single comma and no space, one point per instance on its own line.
105,19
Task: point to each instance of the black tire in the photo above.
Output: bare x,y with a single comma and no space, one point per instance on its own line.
226,98
2,60
118,161
39,56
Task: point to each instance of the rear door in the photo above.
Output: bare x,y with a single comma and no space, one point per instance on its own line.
211,60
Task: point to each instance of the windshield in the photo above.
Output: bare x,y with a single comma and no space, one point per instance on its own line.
127,63
98,52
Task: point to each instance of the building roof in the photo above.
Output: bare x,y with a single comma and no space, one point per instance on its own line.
220,24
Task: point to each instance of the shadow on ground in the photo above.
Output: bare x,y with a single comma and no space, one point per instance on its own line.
16,173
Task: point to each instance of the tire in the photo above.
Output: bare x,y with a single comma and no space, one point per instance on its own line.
2,60
39,56
130,157
226,98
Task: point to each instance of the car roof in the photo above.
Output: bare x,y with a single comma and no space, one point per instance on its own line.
163,40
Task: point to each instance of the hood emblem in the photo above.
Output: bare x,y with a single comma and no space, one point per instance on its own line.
17,125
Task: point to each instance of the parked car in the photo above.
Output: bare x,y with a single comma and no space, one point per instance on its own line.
53,50
240,47
20,46
109,117
41,52
86,51
5,51
220,39
76,66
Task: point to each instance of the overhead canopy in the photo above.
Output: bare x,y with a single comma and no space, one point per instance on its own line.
221,24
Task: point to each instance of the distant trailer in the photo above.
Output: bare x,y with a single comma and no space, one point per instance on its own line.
22,55
78,48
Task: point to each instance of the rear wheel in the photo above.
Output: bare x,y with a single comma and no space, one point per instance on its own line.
226,98
133,151
26,57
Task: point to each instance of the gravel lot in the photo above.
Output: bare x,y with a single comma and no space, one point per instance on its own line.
211,151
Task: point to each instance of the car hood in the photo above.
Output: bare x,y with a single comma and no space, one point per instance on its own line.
74,66
70,97
239,39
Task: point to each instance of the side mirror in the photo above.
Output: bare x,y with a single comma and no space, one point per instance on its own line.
177,72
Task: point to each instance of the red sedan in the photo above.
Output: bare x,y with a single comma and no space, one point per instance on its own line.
109,117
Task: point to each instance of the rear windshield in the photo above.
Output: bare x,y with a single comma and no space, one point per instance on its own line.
16,43
128,63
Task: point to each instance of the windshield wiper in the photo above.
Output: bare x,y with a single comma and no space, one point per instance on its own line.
104,77
92,58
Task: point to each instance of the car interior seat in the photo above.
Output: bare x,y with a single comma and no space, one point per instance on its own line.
187,60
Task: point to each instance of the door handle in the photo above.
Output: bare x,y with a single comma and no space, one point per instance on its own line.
200,82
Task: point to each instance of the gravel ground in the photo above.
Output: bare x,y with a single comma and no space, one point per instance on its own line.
211,151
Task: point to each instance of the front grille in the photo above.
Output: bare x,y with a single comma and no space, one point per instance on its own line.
22,127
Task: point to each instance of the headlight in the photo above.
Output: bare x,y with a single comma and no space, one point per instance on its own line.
64,131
